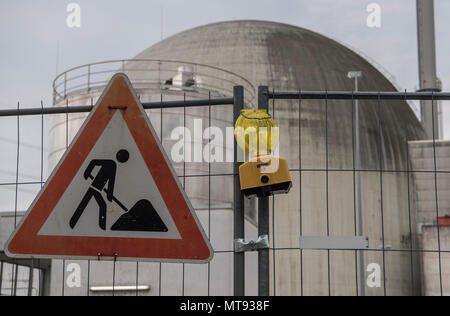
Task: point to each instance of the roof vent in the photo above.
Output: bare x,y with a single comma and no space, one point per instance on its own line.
184,78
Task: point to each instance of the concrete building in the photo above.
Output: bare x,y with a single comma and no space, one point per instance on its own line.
433,218
209,61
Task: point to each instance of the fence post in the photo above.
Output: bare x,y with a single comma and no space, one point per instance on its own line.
14,279
1,275
45,281
263,216
89,79
65,85
31,278
239,211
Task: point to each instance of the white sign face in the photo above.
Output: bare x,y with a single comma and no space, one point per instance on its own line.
132,183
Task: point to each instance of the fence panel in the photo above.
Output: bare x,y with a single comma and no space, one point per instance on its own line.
400,207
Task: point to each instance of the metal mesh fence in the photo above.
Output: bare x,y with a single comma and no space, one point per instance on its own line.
409,248
394,195
204,183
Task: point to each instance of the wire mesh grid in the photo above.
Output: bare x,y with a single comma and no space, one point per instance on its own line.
293,270
415,264
157,278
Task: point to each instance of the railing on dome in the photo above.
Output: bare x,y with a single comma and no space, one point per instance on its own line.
91,78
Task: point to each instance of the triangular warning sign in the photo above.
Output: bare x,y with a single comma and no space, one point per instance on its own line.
114,194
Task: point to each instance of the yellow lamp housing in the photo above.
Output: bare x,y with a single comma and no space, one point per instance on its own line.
265,176
257,132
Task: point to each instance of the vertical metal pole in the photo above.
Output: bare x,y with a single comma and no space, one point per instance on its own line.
263,216
46,281
16,269
31,278
1,276
65,85
89,79
41,283
362,272
159,74
239,212
162,23
436,197
427,63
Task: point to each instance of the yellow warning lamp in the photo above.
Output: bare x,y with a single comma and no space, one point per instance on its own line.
263,175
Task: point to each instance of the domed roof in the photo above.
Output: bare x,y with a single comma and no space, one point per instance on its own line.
266,53
286,57
320,136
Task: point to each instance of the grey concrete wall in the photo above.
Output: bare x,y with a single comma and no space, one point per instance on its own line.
436,268
430,163
423,165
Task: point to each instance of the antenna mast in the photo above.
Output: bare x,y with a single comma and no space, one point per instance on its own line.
427,66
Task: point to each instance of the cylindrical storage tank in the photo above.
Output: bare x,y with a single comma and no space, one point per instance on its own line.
318,138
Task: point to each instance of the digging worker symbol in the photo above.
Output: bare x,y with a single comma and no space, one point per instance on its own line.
142,217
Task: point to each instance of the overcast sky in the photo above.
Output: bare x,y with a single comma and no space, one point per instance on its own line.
112,29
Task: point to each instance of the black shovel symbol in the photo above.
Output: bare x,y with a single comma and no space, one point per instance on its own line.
141,218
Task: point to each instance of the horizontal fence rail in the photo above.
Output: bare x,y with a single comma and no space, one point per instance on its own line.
282,95
358,95
88,108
